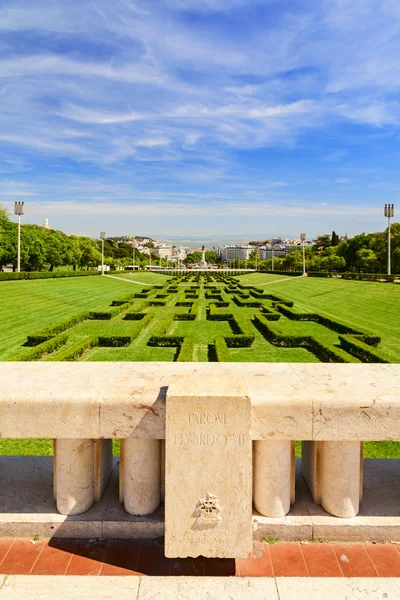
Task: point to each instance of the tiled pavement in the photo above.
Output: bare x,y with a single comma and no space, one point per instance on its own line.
146,557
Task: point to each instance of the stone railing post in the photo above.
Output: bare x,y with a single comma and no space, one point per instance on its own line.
140,475
273,477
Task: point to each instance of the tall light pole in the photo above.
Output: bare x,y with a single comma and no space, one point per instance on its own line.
102,237
150,259
19,210
272,255
303,238
133,258
389,213
256,257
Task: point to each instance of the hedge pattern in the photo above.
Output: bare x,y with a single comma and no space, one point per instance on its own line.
261,313
45,275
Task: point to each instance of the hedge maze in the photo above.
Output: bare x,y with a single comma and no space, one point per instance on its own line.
202,317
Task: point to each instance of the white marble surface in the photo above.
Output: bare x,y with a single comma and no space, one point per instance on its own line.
208,460
116,400
45,587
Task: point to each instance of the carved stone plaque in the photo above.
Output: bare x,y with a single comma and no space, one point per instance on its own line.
208,474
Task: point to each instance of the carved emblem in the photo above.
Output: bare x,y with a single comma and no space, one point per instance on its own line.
208,510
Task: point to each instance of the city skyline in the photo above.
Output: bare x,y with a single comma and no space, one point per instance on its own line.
203,117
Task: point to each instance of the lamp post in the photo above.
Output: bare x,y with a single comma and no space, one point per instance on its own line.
303,238
133,258
102,237
389,213
19,210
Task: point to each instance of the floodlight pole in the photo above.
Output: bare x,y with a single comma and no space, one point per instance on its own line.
389,213
102,237
133,258
272,256
303,238
19,210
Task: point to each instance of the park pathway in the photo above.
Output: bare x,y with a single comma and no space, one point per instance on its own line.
277,281
129,280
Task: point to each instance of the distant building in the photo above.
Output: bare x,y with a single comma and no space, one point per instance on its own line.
228,253
46,224
164,251
266,252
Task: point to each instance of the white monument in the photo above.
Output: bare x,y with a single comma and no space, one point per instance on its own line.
46,224
203,263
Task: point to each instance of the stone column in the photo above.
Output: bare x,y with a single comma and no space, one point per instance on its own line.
74,475
273,477
102,466
341,477
141,475
162,471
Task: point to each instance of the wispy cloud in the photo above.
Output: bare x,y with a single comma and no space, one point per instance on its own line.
190,94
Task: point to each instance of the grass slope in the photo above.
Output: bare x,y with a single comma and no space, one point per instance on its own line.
27,306
371,306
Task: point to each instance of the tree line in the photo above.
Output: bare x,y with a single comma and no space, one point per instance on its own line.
47,249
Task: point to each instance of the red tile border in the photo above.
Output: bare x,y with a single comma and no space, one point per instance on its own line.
354,560
55,557
386,559
321,560
259,565
5,547
146,557
88,558
287,560
21,557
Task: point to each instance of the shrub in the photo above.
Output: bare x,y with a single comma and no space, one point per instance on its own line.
41,350
124,300
134,316
45,275
221,349
317,318
186,303
184,317
48,332
75,351
358,348
325,352
156,303
186,350
165,340
114,341
239,341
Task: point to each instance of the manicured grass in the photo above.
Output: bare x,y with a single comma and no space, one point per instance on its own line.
44,447
370,306
259,278
27,306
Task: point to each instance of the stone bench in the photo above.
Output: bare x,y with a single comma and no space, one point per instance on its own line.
331,408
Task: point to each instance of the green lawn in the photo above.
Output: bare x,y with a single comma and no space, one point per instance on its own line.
371,306
27,306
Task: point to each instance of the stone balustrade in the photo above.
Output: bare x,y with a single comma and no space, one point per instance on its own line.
331,408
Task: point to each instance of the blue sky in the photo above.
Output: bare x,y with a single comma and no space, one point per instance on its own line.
192,117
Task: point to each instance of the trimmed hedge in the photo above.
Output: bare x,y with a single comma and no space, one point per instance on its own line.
134,316
356,347
239,341
186,350
41,350
221,349
106,315
324,352
165,340
184,317
124,299
156,303
114,341
48,332
75,351
45,275
317,318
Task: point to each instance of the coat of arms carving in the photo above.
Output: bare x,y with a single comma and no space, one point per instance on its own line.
208,510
